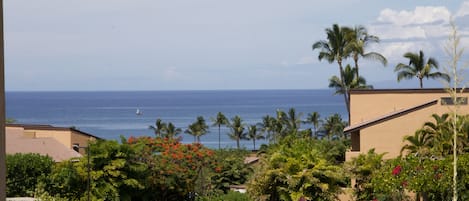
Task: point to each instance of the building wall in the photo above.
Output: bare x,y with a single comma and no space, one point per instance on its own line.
67,137
387,137
62,136
366,106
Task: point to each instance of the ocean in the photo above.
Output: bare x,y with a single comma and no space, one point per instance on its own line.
110,114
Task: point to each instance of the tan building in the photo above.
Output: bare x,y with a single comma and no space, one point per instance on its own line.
380,118
56,142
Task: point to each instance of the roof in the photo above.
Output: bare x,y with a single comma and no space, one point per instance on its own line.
17,143
402,91
250,159
49,127
387,117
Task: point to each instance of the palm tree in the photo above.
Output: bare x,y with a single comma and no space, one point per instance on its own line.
197,129
170,131
237,130
419,67
333,127
254,135
358,39
279,125
159,126
267,126
333,50
350,82
293,121
314,118
418,144
219,120
439,134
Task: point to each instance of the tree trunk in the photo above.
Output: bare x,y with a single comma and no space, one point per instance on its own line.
219,137
355,59
346,90
421,82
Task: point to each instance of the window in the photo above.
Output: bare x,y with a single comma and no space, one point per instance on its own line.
449,101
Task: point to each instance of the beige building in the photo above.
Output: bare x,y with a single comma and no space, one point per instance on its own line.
56,142
381,118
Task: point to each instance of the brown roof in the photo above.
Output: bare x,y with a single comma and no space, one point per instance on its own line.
386,117
49,127
16,142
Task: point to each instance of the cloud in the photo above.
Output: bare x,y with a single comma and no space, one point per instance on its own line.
423,28
464,10
419,16
394,51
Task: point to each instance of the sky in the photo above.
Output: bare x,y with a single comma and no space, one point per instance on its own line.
94,45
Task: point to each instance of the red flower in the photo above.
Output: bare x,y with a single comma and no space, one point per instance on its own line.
396,170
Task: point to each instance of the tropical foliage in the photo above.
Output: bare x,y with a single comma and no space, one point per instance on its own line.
25,171
419,67
350,81
296,168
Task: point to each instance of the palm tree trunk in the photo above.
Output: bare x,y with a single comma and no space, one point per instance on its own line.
237,143
346,90
254,142
219,137
355,59
421,82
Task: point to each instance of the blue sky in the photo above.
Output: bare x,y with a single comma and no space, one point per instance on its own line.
209,44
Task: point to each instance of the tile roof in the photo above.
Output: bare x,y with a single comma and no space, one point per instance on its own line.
49,127
16,142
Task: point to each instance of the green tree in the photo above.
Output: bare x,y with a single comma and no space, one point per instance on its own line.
419,67
158,127
358,39
24,172
350,81
115,172
333,127
267,127
314,118
65,181
361,170
218,121
254,135
237,130
170,131
295,169
292,121
197,129
230,169
333,50
419,144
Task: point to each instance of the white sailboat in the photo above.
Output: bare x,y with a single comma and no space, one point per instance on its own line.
138,112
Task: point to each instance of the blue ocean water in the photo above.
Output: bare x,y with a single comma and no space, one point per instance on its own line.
111,114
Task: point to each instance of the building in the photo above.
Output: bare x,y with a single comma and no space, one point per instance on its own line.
381,118
56,142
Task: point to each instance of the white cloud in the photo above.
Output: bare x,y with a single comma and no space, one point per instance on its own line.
421,15
424,28
394,51
464,10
